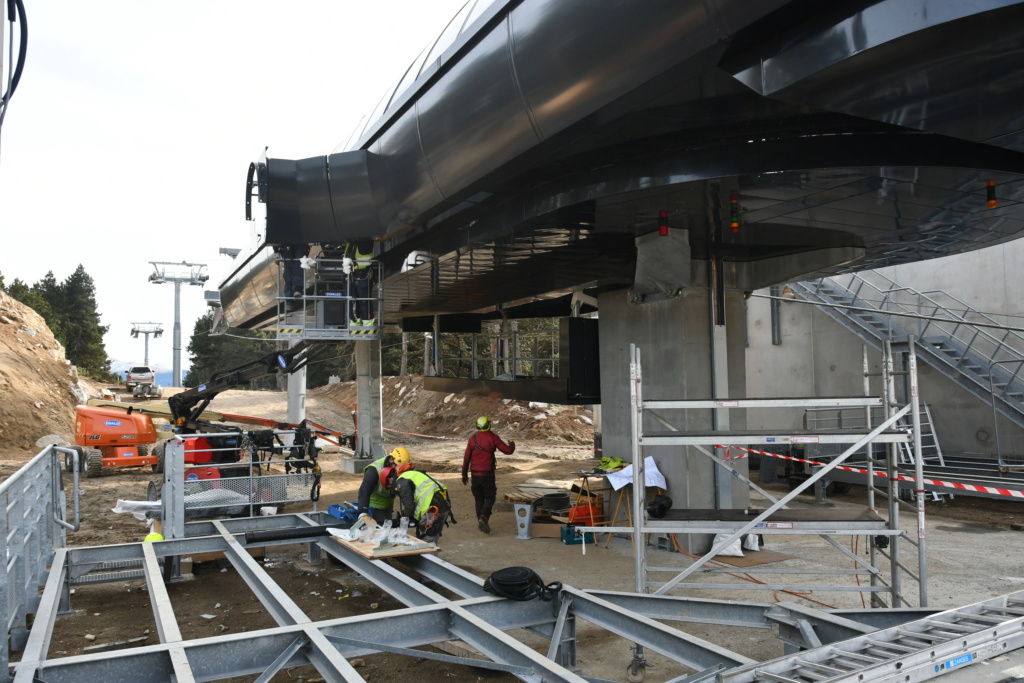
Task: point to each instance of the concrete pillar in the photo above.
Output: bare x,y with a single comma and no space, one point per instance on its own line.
680,350
368,398
297,396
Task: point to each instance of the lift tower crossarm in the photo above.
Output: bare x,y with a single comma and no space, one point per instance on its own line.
188,406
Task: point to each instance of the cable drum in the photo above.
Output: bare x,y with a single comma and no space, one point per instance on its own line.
520,583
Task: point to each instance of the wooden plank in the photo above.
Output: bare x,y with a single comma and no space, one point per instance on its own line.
520,497
371,551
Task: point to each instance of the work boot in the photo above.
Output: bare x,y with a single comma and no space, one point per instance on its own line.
484,526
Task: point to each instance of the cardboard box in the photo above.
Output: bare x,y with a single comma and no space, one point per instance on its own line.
545,529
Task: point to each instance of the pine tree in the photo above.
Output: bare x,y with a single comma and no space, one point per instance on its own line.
209,354
74,302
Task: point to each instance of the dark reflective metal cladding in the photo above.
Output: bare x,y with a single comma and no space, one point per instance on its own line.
549,136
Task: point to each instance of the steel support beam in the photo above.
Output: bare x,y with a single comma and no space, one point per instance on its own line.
686,649
693,610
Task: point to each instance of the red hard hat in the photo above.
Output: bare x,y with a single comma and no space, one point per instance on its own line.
385,474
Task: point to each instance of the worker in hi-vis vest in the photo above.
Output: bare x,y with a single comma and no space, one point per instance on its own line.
422,499
375,500
358,265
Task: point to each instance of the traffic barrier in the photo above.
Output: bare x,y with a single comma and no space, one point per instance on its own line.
900,477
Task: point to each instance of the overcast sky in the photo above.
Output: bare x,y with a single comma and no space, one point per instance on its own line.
130,135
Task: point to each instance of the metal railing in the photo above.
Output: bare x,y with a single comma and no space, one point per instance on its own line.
1009,451
33,524
230,488
980,343
335,304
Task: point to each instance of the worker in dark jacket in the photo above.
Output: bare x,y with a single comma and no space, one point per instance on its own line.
479,461
375,499
422,499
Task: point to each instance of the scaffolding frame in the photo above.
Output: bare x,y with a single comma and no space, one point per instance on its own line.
885,433
326,311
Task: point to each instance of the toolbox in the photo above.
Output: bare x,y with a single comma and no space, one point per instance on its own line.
570,536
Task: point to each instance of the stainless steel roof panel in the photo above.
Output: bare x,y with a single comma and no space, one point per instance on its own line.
474,120
562,127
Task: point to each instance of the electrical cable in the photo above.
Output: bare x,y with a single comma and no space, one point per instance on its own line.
747,577
15,11
520,583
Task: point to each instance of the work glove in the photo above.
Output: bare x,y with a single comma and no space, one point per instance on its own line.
370,521
346,265
511,443
465,480
306,263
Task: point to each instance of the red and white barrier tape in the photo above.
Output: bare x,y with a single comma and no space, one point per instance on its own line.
459,438
899,477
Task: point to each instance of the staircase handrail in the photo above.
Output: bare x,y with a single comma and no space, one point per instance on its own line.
926,304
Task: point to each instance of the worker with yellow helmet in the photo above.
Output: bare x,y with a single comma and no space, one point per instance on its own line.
375,500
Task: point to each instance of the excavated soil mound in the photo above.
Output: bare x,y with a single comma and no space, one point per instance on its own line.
410,408
38,386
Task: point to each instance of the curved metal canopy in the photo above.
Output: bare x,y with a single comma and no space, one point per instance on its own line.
528,156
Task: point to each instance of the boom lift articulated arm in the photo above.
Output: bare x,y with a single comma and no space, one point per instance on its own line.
188,406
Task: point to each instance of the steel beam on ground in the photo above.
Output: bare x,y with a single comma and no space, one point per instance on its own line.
686,649
464,661
501,647
163,612
34,654
694,610
242,654
281,607
454,578
828,628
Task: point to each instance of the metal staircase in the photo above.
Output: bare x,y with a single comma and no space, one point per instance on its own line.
916,651
966,345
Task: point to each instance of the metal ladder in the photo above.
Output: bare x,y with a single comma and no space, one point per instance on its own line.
931,451
916,651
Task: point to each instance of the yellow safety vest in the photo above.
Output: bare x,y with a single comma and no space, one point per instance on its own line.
424,493
381,498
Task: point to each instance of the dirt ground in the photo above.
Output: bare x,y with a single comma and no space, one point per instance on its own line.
973,544
217,602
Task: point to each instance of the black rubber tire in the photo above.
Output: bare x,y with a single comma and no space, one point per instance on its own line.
838,488
94,467
143,451
154,490
69,460
158,451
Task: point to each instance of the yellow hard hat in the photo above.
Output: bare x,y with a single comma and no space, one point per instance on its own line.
401,456
154,537
483,423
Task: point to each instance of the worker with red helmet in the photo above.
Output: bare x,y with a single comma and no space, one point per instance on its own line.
479,461
422,499
375,500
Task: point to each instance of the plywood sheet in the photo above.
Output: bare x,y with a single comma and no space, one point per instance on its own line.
371,551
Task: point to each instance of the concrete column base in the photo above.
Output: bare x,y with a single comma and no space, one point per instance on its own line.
351,465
